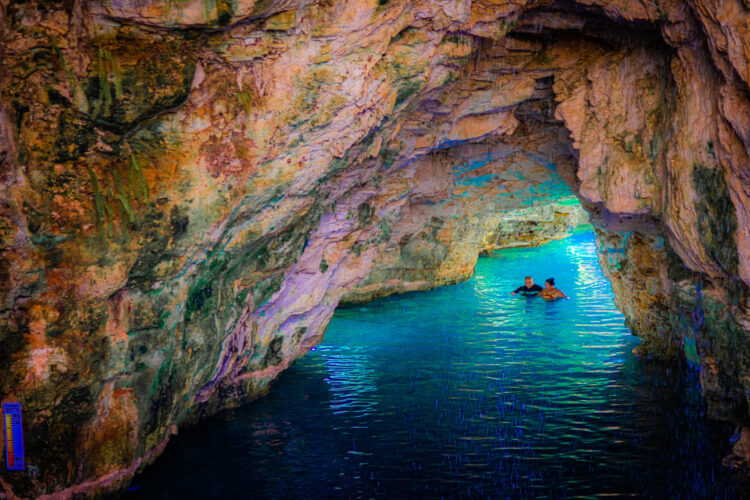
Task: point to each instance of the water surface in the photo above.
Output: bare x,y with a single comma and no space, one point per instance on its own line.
465,392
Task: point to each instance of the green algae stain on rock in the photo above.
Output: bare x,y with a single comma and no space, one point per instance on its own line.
204,294
407,90
225,11
155,232
725,345
717,221
127,188
178,221
100,214
676,269
246,99
282,21
133,79
365,212
273,354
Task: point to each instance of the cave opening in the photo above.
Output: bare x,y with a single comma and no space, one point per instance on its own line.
189,191
469,389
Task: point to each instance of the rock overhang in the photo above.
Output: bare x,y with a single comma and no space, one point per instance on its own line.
191,188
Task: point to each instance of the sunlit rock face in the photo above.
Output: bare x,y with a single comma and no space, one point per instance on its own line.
189,188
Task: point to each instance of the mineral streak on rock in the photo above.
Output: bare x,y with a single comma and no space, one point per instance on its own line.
189,188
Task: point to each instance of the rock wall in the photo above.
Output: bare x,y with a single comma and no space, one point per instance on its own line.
188,189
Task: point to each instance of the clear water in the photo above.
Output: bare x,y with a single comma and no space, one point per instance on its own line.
465,392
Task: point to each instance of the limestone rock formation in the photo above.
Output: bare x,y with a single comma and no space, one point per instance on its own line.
189,188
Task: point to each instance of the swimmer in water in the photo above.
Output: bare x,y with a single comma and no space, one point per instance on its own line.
529,289
550,292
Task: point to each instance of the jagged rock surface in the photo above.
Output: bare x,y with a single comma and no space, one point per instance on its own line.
188,189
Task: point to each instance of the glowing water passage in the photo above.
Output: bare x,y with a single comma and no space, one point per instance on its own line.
464,391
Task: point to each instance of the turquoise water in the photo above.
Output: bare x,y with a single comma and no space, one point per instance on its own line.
465,392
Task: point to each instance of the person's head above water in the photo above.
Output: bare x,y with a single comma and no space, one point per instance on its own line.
528,289
550,281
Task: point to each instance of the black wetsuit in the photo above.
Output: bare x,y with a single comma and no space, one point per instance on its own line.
528,291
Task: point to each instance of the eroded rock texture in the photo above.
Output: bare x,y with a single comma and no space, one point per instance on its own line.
189,188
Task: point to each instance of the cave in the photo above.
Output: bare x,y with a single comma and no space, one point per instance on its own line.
191,188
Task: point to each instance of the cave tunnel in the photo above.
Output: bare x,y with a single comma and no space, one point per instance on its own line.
190,190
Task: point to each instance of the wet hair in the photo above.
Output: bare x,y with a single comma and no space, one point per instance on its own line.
527,278
551,281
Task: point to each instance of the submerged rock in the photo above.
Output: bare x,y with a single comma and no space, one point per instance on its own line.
188,190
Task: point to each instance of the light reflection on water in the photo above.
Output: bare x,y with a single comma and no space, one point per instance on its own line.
352,380
465,392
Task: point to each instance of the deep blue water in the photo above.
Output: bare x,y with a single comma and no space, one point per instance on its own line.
465,392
